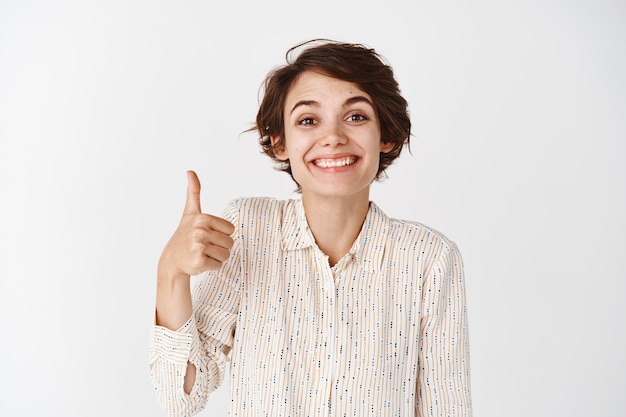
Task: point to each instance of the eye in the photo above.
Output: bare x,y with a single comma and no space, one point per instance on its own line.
357,117
307,121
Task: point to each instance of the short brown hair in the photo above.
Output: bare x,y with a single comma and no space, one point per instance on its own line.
354,63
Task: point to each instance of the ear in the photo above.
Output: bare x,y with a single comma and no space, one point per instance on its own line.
279,150
386,147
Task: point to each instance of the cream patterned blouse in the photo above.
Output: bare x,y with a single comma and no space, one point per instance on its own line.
381,333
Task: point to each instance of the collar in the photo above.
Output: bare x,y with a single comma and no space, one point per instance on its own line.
368,248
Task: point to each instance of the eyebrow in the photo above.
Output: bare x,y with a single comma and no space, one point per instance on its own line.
348,102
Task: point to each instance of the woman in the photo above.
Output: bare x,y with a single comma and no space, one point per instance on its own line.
323,305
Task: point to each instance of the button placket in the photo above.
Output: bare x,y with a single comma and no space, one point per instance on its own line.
325,336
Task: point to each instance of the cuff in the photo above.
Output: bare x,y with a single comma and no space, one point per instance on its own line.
174,345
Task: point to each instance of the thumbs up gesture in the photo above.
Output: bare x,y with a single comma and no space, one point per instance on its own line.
201,242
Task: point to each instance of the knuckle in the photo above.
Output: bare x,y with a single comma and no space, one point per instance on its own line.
198,235
196,248
198,264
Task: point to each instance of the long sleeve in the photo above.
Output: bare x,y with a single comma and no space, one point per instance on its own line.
205,340
444,378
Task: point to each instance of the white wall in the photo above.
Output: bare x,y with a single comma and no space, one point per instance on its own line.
519,135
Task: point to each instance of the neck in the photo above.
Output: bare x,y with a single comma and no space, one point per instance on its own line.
335,222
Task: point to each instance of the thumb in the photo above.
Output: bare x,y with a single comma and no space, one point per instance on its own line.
192,205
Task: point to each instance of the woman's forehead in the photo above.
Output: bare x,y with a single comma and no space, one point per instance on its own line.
316,86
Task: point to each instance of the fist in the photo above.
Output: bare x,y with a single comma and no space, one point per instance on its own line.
201,242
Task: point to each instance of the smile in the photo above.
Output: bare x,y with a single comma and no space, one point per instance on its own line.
333,163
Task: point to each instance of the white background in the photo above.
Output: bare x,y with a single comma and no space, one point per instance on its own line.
519,121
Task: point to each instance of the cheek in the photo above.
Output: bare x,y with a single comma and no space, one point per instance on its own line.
295,151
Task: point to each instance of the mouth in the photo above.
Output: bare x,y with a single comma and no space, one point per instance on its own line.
334,162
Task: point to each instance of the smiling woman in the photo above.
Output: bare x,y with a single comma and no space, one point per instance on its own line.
323,304
355,64
332,140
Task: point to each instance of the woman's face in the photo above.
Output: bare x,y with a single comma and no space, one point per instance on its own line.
332,137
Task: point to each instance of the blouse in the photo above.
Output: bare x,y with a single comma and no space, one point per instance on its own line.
381,333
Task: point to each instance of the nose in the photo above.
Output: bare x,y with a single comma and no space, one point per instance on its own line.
333,134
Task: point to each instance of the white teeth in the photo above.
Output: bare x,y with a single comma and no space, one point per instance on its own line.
331,163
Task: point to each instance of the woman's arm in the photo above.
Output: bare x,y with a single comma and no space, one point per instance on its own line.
200,243
443,387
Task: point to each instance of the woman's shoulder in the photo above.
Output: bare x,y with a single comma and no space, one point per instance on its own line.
260,204
267,209
414,234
